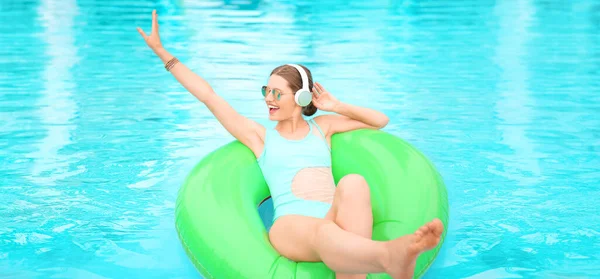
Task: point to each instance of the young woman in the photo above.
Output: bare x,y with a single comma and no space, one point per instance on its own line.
314,220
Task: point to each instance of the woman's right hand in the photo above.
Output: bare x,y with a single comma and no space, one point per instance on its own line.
153,41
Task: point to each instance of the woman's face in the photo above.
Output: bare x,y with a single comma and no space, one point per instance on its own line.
279,99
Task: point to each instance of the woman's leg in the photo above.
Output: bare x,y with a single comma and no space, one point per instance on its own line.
308,239
301,238
351,210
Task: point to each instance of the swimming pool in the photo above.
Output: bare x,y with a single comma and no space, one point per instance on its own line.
96,138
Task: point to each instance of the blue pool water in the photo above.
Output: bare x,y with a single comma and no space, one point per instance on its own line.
96,137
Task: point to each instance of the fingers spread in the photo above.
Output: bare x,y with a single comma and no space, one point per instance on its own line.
319,86
154,21
142,33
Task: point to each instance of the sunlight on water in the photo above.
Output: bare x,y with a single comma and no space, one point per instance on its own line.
96,137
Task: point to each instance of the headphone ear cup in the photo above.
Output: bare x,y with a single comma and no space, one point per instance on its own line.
303,98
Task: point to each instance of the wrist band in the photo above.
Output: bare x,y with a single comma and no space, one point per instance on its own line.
169,65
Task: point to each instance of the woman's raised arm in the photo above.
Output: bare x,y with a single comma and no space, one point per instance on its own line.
247,131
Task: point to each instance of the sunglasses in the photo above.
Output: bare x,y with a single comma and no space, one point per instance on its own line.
276,92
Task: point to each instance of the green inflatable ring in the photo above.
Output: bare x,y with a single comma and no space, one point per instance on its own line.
219,226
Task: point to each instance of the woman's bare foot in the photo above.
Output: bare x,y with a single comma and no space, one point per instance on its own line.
404,250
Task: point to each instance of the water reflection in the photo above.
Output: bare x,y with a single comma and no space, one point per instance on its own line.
514,108
56,106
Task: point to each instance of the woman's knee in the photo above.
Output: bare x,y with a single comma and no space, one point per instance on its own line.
354,186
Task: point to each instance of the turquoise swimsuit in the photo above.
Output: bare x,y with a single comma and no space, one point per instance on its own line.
282,159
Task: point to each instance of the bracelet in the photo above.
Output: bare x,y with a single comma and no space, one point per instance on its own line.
169,65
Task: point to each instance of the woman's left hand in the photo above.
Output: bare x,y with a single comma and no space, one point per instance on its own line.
322,99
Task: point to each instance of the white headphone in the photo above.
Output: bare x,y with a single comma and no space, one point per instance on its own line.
303,96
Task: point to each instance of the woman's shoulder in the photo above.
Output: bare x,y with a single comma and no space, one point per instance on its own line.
324,121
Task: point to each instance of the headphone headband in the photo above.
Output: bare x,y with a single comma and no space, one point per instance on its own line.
303,75
303,96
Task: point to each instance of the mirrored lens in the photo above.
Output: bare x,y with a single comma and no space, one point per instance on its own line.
264,91
276,93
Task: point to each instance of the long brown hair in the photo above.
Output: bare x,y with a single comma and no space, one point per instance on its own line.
294,79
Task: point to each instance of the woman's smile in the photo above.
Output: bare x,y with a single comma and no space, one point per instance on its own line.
272,109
